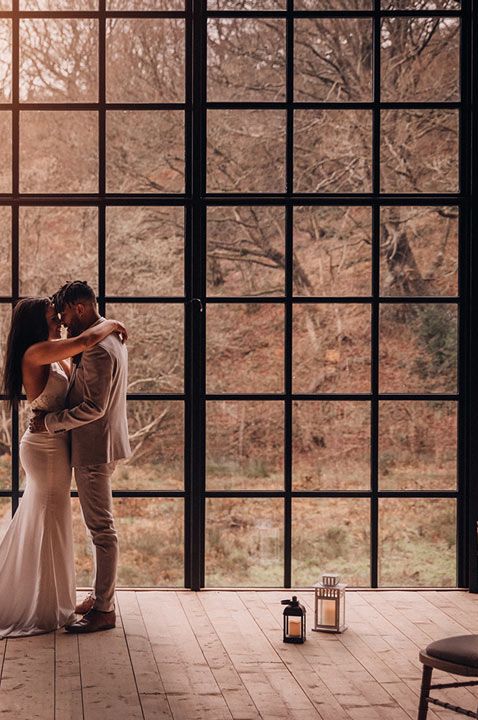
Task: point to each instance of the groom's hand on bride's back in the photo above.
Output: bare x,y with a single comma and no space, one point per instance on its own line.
37,422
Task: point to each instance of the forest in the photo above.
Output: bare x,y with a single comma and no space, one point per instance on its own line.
332,258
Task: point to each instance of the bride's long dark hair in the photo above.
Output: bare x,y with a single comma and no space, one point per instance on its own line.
29,326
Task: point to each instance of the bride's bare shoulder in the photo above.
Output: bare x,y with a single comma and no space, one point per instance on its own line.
34,379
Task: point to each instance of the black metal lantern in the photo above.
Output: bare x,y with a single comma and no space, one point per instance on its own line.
294,621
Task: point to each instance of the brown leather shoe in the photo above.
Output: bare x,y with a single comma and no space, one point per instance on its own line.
85,605
93,621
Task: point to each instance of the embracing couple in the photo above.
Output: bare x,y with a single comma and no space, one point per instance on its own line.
76,388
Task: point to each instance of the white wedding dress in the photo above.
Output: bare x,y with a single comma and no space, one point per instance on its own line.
37,576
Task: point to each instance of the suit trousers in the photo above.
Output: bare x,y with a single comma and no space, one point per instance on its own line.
94,490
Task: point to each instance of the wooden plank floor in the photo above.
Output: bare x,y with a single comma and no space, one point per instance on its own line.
219,655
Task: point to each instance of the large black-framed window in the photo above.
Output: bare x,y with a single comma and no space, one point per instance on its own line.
277,198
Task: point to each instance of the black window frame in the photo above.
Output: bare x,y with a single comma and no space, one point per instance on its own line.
196,199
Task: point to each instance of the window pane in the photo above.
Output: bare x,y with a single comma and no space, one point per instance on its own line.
57,244
58,151
5,250
58,4
418,348
145,151
332,251
419,251
156,430
155,345
151,539
5,319
5,60
333,60
5,516
417,544
419,151
5,451
333,4
145,251
331,445
246,4
333,151
244,542
245,250
418,445
240,339
5,4
421,4
246,59
331,535
331,348
151,533
245,445
59,60
420,59
145,4
246,150
5,152
153,52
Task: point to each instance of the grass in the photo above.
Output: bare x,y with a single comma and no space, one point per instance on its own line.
244,537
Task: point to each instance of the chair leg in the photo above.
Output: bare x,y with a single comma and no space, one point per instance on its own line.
424,692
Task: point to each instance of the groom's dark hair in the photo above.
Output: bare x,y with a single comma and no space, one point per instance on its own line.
71,293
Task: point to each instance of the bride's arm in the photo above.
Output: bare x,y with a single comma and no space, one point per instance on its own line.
66,365
49,351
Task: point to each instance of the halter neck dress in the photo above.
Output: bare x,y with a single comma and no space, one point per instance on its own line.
37,575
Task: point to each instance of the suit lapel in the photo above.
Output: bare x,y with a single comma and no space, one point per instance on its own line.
72,377
75,365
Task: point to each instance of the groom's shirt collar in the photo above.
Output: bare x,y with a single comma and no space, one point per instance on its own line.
77,358
97,322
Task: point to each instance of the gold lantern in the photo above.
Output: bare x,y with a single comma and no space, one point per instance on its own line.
330,604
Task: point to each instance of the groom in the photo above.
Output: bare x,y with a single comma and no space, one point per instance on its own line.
96,417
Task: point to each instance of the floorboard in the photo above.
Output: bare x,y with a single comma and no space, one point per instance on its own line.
219,655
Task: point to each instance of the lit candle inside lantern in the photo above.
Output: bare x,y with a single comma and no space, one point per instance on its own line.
294,626
293,629
328,612
329,605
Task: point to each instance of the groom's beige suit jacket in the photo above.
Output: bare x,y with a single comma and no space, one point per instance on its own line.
96,405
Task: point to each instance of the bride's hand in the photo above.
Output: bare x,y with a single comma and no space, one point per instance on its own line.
37,422
120,330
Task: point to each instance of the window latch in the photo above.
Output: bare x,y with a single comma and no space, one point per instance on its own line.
199,301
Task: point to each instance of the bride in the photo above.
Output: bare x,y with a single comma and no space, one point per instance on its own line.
37,577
